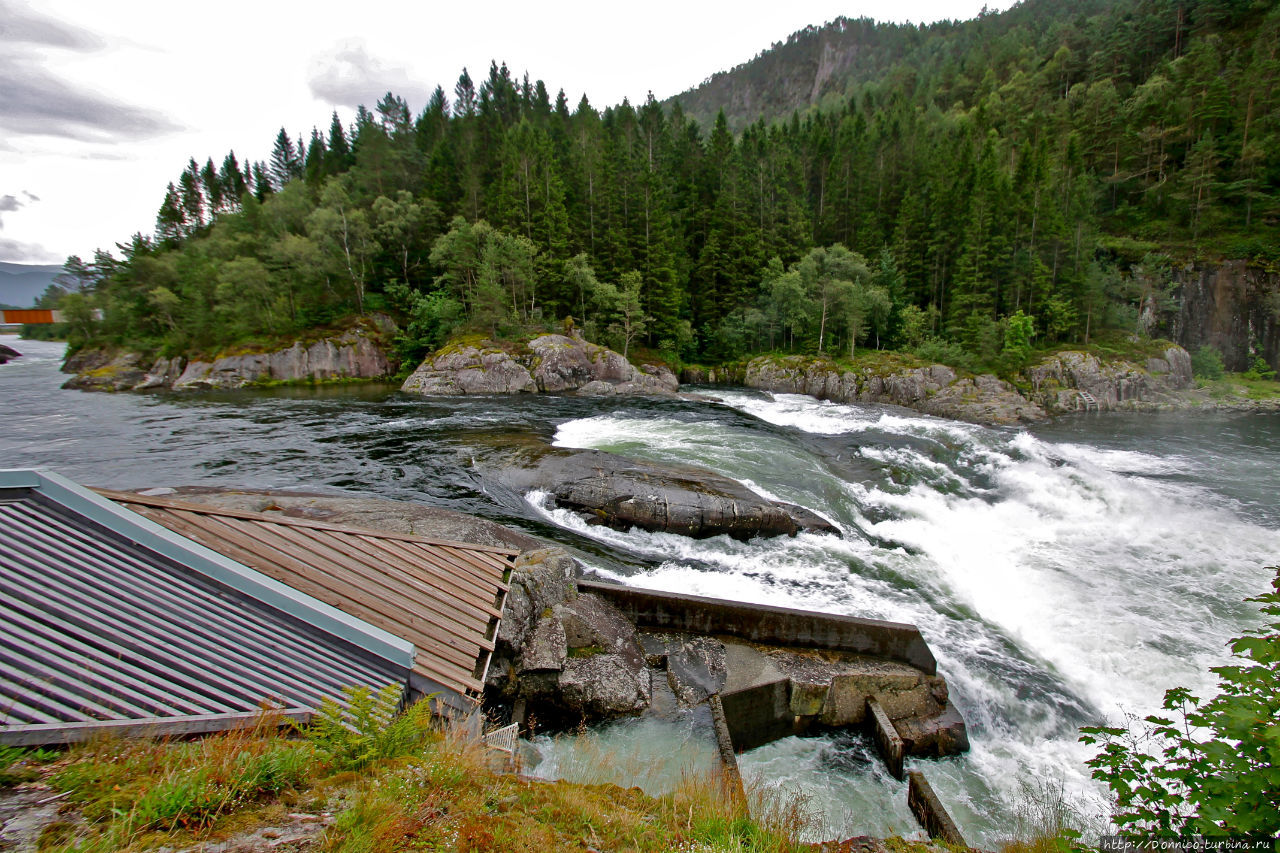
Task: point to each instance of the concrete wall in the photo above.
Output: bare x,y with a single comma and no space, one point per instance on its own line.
760,623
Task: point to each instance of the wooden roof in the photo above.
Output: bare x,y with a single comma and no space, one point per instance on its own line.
445,598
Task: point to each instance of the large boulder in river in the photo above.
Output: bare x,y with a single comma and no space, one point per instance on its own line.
7,353
548,364
623,493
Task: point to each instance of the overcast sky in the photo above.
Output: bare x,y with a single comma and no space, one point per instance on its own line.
102,103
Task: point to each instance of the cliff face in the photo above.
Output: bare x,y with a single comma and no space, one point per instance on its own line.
1233,307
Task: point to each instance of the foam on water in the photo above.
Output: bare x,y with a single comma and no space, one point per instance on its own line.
1056,583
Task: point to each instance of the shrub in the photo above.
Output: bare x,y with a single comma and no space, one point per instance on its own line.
1206,363
1259,369
1208,767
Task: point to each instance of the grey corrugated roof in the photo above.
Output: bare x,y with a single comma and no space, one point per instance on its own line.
97,624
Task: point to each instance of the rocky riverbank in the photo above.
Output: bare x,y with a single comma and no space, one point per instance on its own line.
546,364
1064,382
356,354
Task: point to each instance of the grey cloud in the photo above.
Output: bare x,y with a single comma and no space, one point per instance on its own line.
21,25
30,195
349,76
34,102
8,204
31,253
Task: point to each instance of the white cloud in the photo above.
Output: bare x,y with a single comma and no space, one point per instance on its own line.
348,76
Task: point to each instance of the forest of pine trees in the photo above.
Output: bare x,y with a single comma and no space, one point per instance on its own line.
1049,164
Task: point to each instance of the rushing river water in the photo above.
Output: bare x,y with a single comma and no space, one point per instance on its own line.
1061,574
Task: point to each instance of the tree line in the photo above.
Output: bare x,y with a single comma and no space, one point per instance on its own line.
1008,170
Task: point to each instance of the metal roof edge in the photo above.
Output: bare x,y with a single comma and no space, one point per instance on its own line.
218,567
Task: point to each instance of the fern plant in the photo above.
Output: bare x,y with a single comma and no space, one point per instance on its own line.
367,726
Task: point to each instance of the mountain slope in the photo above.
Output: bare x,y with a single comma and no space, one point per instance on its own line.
22,284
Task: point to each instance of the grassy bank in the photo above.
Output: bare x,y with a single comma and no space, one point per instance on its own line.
410,786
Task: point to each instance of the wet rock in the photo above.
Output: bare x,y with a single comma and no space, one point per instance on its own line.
542,579
7,353
544,648
354,354
696,668
943,733
623,493
350,511
590,622
602,686
1117,385
163,374
351,355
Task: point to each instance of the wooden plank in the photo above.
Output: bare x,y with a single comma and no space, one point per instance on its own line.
397,603
47,734
299,580
344,596
167,503
451,571
484,562
447,580
379,551
404,585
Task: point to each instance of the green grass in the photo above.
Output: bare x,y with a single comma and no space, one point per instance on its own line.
1238,386
407,784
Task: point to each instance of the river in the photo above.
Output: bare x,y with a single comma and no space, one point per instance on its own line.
1062,574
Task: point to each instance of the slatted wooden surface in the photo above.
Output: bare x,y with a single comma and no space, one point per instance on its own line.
444,597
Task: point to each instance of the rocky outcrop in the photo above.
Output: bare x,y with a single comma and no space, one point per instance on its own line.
104,370
1068,381
470,369
568,658
7,353
935,389
354,354
351,355
1052,386
622,493
548,364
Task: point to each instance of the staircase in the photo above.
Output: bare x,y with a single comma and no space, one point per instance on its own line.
1089,400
